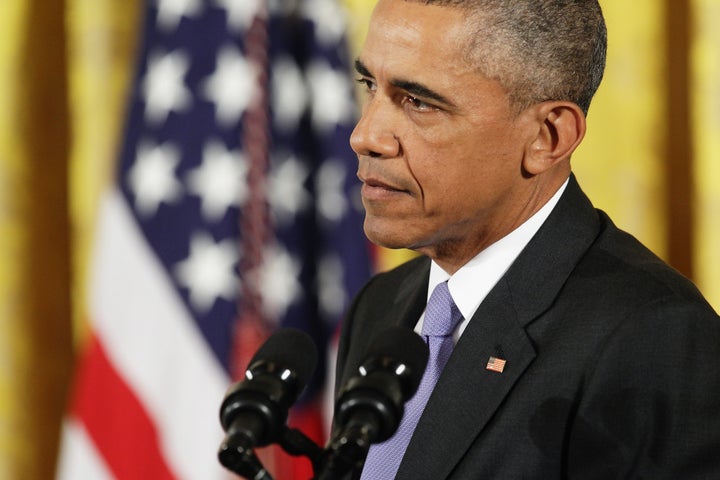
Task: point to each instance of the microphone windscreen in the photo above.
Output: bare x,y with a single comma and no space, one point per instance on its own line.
403,345
292,349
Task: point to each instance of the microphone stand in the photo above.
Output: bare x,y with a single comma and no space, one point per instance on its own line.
236,455
348,448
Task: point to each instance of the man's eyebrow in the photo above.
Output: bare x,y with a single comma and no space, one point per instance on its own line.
362,69
413,88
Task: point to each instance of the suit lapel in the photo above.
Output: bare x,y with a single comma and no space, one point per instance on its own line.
467,394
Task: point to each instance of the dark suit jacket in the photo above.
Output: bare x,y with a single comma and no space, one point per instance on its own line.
613,363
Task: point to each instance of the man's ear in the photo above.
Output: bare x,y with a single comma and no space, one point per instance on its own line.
561,129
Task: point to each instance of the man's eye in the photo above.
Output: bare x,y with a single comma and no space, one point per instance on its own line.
418,105
368,84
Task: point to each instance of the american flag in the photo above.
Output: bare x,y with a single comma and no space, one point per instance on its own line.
496,364
234,212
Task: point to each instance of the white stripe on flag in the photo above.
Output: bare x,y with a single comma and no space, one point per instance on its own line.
79,460
155,346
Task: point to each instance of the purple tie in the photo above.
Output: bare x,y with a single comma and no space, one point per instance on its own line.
441,318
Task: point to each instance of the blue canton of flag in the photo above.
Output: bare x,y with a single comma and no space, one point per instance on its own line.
184,168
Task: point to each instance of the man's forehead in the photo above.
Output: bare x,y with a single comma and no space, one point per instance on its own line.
417,29
419,21
404,44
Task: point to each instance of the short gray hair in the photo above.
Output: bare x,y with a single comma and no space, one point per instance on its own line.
538,49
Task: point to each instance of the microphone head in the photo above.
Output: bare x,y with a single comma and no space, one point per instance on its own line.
288,348
275,378
402,351
370,405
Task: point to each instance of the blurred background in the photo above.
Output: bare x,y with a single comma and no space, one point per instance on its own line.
651,159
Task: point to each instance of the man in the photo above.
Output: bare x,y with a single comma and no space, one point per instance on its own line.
579,353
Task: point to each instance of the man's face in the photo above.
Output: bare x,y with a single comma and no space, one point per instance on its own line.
438,144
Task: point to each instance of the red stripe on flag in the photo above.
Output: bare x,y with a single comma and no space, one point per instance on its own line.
118,425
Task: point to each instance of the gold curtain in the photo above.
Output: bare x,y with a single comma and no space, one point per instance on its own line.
64,67
705,104
35,331
620,163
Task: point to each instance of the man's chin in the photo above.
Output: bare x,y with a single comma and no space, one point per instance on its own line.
392,238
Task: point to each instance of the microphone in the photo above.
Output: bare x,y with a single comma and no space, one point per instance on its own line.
370,405
254,411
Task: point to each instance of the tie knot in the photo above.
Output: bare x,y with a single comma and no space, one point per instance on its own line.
441,314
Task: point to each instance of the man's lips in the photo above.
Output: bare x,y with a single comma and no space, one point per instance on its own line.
374,183
377,189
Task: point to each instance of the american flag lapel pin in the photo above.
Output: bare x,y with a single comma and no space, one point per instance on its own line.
496,364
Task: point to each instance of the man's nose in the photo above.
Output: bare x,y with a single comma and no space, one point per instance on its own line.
373,135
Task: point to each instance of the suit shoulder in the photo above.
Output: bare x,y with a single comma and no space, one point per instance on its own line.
628,269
